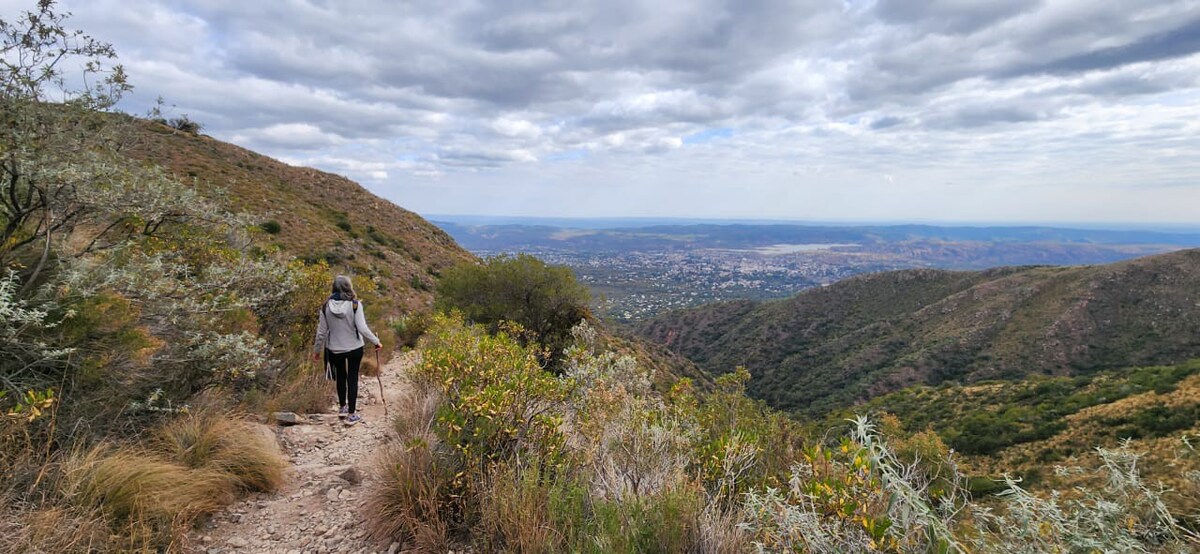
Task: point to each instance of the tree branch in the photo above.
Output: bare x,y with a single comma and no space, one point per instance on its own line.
37,270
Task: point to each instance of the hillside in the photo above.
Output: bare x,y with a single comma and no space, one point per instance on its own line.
328,217
874,334
320,216
1022,427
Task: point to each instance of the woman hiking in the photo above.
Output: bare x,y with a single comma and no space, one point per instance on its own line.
340,330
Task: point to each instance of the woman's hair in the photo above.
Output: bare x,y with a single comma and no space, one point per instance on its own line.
342,288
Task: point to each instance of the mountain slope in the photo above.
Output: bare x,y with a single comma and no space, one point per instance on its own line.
874,334
323,216
320,216
1025,427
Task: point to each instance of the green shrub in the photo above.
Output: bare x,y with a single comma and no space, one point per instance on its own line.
185,124
501,454
409,328
742,443
272,227
419,283
499,402
546,300
1157,420
982,486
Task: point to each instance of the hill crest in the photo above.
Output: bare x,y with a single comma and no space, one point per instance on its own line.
315,215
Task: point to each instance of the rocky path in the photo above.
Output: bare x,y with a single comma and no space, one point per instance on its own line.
319,510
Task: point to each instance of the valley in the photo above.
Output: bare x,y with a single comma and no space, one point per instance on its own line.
638,272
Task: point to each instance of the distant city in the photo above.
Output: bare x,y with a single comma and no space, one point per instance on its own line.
646,267
634,285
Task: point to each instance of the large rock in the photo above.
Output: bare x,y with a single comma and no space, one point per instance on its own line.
286,418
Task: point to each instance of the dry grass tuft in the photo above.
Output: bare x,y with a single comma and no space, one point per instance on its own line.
718,531
124,499
368,368
56,530
145,499
421,406
230,446
304,390
410,499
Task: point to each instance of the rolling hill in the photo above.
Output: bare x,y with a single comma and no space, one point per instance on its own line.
311,214
874,334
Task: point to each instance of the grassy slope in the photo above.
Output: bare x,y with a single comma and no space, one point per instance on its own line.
874,334
396,249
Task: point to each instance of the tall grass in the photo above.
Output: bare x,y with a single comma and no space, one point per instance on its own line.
302,388
411,499
146,500
56,530
246,453
664,521
529,509
128,498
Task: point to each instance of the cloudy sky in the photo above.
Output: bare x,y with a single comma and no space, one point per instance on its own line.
894,110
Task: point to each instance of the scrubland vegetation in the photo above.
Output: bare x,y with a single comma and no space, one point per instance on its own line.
140,320
136,315
500,454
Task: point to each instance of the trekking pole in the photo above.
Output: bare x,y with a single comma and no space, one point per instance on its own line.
379,379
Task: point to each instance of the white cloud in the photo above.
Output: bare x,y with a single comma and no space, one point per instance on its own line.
1050,109
299,136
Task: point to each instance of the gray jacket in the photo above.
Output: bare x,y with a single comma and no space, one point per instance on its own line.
342,328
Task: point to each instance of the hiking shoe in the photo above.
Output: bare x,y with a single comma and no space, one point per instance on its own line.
354,418
343,412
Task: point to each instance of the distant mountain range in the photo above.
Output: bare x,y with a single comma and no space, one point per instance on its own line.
708,235
869,335
903,245
644,221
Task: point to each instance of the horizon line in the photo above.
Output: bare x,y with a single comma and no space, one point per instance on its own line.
1075,225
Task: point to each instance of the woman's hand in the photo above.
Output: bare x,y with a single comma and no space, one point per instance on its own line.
378,347
316,356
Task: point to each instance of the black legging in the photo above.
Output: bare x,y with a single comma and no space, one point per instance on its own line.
345,372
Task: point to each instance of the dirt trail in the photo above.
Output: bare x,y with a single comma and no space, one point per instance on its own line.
319,510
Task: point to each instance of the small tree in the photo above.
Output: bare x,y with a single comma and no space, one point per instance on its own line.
52,132
545,299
